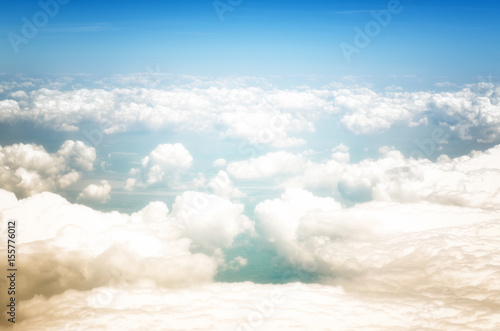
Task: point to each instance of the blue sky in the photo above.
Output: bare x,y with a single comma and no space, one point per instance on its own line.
451,38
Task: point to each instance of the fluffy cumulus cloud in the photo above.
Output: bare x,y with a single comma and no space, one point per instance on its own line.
472,112
26,169
365,111
219,184
73,247
258,113
271,164
96,193
162,165
209,220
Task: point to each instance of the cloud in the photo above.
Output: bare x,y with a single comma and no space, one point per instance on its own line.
162,165
471,112
418,227
96,193
73,247
255,114
271,164
444,84
426,250
209,220
470,180
258,112
248,306
363,111
26,169
9,110
220,163
222,185
265,128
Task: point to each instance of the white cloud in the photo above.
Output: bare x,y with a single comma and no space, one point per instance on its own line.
279,218
220,163
260,115
271,164
96,193
365,111
19,94
236,263
470,180
9,110
472,112
209,220
445,84
248,306
251,113
162,165
431,251
265,128
86,248
222,185
27,169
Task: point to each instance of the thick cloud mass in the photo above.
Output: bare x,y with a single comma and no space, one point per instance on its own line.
68,246
248,306
26,169
429,254
260,114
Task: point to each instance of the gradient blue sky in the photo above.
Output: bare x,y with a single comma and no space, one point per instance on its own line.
451,39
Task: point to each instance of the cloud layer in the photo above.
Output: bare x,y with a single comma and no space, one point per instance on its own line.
259,113
395,235
248,306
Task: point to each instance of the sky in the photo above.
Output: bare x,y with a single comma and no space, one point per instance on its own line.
253,38
250,165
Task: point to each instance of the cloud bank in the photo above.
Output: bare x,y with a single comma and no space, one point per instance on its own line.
73,247
261,113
